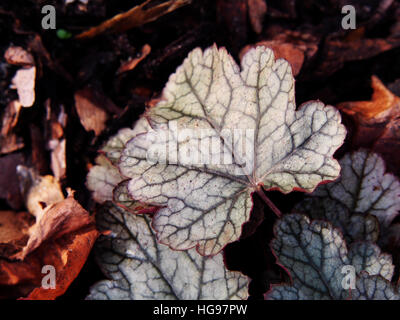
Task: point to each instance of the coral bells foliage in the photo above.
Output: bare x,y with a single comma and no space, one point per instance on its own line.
177,187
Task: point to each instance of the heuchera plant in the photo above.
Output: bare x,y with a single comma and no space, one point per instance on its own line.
177,188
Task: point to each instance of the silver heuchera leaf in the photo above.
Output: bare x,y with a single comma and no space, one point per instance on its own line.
114,146
316,257
364,187
141,268
374,288
354,226
219,134
102,179
365,256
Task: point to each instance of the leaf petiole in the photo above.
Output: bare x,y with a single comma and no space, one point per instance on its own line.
270,204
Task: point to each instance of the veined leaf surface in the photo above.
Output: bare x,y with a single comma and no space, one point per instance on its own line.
316,256
218,135
141,268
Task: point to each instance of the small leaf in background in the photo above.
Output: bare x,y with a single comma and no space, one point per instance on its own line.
354,226
315,253
102,179
366,257
116,144
365,187
206,204
141,268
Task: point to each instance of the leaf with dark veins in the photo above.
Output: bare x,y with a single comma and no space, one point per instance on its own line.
365,256
114,146
102,179
246,115
354,226
365,187
141,268
314,253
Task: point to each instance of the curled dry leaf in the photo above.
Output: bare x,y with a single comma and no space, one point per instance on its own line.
146,12
315,254
205,203
378,123
14,234
55,216
67,254
62,237
378,109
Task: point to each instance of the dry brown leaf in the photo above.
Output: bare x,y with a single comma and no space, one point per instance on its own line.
18,56
135,17
257,10
55,216
379,108
377,123
132,63
14,228
67,254
61,218
62,237
91,115
293,46
24,82
71,258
